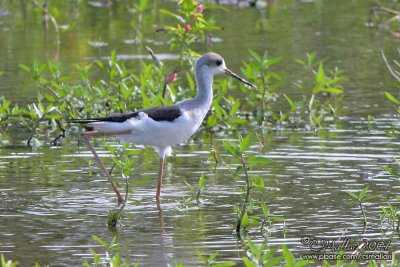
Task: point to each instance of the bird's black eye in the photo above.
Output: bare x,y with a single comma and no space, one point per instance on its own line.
218,62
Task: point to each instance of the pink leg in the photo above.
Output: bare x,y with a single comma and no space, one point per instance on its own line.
160,176
86,136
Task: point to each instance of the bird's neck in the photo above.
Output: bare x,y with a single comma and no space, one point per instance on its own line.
204,81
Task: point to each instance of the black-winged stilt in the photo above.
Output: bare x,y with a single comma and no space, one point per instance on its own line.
164,126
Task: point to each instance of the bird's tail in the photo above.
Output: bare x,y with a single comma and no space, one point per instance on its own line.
88,120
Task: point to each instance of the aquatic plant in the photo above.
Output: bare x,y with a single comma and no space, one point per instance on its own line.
395,74
324,88
120,90
110,257
258,70
384,16
7,263
390,215
7,110
237,151
211,260
197,191
191,27
125,162
360,199
268,219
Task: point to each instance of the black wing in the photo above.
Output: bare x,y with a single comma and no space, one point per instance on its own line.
163,113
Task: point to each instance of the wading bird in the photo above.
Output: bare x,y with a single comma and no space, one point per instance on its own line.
164,126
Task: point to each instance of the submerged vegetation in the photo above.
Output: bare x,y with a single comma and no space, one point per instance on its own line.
104,87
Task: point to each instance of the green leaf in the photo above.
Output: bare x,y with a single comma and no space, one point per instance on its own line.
363,192
255,55
51,109
212,121
25,67
371,197
231,148
237,121
258,181
276,218
264,209
116,260
202,181
50,98
289,100
320,74
273,61
111,149
224,264
352,195
189,185
100,241
289,258
246,142
332,90
259,160
391,171
248,263
169,13
245,219
384,210
392,98
3,260
38,112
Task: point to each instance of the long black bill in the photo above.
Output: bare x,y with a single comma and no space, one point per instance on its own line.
239,78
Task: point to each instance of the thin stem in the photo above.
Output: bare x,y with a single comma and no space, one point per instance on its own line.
118,159
310,108
34,129
198,196
263,99
246,201
363,213
392,72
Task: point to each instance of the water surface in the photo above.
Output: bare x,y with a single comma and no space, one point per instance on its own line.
52,200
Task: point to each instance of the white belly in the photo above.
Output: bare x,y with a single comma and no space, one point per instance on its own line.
146,131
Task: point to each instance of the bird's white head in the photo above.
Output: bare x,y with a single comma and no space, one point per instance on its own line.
214,64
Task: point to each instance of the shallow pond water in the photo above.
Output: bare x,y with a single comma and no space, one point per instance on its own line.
52,201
